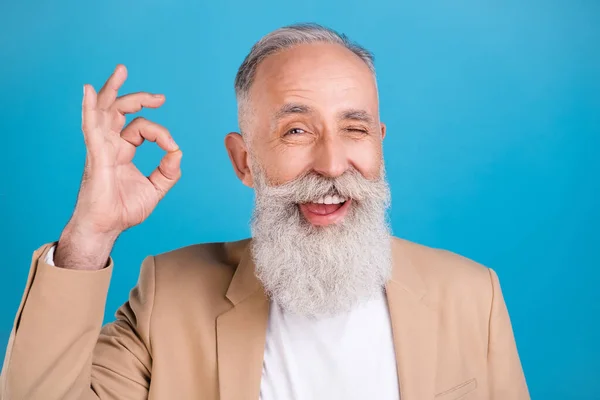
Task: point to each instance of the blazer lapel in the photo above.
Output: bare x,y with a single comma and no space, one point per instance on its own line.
241,333
414,327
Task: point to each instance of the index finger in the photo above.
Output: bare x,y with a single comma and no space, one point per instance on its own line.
110,90
141,129
134,102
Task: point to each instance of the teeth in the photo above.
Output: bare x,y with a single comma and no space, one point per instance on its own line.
335,199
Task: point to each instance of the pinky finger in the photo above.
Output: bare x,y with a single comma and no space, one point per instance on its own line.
167,173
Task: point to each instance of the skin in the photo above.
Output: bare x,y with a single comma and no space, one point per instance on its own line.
114,195
313,107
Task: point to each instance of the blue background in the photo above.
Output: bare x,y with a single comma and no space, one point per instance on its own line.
493,115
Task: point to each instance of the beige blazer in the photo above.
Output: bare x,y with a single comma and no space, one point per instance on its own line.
194,328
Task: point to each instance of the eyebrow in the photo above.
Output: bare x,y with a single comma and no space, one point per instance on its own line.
356,115
291,109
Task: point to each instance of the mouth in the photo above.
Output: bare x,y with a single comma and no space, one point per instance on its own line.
327,210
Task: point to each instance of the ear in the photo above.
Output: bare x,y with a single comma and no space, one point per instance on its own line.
383,130
238,155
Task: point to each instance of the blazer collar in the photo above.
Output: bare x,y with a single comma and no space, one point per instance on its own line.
404,272
241,332
244,282
414,326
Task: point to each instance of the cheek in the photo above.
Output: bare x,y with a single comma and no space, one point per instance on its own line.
367,158
282,167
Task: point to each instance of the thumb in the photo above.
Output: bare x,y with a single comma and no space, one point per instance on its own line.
167,173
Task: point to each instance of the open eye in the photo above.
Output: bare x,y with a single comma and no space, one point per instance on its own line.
295,131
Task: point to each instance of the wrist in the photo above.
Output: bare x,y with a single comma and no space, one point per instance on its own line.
83,249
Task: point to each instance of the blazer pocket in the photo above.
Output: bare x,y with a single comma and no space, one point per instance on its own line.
458,391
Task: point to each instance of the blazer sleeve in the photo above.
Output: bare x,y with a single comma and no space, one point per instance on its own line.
58,348
506,378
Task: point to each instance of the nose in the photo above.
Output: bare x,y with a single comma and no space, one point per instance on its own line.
330,158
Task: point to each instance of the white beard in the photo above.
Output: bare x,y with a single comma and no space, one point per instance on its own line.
321,270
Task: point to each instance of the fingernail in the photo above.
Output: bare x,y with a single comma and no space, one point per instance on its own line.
158,96
84,90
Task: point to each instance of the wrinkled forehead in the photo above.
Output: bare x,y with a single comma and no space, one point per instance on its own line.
324,77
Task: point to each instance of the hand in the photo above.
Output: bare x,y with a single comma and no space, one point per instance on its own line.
114,194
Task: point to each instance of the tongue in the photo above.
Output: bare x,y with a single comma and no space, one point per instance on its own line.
322,209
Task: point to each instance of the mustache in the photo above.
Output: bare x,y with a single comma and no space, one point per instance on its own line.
311,186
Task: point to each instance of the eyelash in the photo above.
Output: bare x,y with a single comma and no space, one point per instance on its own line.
360,130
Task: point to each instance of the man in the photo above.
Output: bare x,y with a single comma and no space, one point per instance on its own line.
322,302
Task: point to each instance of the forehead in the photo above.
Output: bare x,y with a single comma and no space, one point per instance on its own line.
321,75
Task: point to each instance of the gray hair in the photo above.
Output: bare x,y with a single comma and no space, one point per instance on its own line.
286,37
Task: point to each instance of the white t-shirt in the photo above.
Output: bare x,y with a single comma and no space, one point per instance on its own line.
349,356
